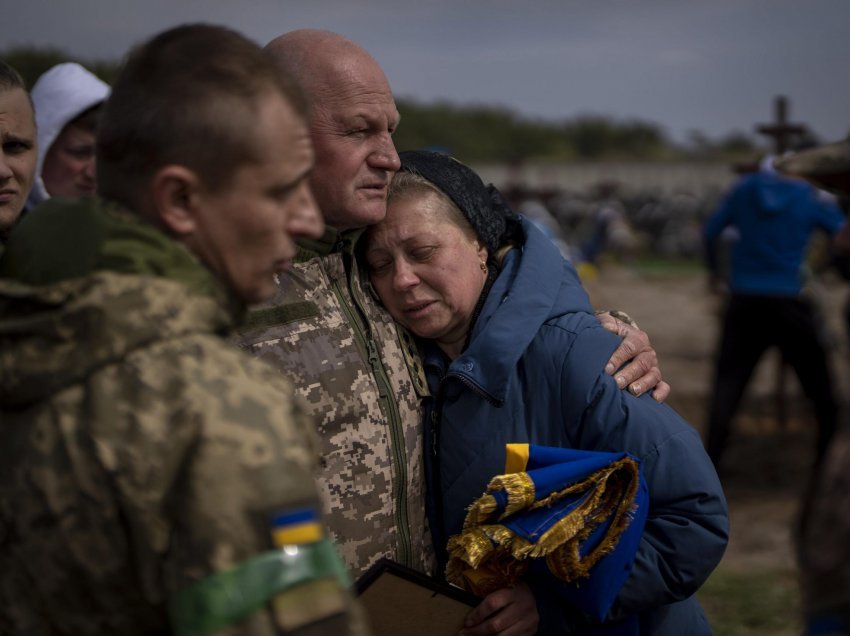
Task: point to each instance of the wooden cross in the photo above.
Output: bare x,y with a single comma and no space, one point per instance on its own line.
781,131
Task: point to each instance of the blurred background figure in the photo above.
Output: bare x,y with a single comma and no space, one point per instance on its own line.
824,539
532,206
67,100
774,216
611,230
17,148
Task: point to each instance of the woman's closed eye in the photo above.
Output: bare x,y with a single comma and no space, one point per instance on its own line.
378,266
80,152
423,253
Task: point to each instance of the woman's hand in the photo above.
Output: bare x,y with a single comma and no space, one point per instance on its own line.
641,374
511,611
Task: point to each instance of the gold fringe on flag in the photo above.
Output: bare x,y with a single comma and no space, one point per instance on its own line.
487,556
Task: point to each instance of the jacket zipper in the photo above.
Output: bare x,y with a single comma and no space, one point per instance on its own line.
398,451
439,531
356,317
475,388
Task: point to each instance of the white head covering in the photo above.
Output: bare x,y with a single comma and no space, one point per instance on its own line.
60,94
766,164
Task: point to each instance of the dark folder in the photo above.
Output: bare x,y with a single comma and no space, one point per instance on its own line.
398,600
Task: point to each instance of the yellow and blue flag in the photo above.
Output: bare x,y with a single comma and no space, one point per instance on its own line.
574,515
296,527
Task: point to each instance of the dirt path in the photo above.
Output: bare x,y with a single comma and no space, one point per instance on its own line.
766,464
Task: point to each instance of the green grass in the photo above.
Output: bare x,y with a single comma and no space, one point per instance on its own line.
656,266
649,265
759,603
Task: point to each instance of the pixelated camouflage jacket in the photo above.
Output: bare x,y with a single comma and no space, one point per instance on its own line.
363,382
140,451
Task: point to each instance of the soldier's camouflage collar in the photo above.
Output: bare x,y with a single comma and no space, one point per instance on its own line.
330,242
64,239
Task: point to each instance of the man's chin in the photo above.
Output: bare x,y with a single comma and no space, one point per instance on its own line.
260,296
359,216
8,215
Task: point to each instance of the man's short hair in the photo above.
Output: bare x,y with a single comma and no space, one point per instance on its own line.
186,97
10,78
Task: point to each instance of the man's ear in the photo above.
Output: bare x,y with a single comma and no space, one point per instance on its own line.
175,190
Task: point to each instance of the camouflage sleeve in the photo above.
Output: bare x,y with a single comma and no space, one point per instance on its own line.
252,521
248,459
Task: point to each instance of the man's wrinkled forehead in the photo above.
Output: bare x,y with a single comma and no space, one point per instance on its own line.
359,84
15,102
363,113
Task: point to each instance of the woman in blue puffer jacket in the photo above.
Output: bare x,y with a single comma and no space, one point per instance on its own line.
513,353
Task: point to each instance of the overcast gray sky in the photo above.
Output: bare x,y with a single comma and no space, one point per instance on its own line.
711,65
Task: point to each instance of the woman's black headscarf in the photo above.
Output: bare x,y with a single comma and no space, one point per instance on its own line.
483,206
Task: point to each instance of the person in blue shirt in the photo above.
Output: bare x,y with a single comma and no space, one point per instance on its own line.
774,216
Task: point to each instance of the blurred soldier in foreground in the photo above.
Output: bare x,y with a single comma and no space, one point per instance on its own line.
148,469
824,541
17,148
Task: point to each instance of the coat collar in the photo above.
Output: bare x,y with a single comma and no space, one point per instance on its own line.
331,241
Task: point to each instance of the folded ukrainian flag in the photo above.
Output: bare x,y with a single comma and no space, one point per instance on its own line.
575,515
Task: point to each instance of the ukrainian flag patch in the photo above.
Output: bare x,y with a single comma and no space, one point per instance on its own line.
296,527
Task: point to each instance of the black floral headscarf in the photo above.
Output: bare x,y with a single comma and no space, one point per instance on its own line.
481,205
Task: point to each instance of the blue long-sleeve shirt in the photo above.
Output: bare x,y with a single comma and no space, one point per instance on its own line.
775,217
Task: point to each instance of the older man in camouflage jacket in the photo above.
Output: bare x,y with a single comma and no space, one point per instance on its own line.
148,468
358,372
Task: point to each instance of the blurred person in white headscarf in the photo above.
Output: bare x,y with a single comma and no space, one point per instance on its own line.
67,100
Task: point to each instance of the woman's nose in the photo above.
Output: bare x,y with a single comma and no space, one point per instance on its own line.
403,276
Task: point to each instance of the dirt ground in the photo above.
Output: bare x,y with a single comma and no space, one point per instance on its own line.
768,456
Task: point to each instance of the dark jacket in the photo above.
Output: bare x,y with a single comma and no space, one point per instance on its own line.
534,372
